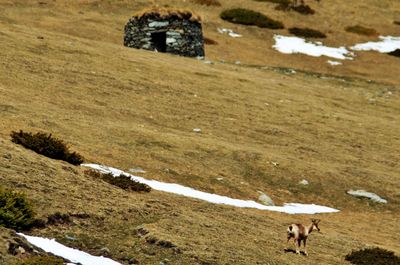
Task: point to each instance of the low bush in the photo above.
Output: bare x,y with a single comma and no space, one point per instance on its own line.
250,17
122,181
46,145
375,256
395,53
41,260
307,33
361,30
209,41
207,2
16,212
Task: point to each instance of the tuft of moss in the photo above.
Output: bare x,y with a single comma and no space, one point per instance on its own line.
360,30
307,33
41,260
46,145
122,181
375,256
16,212
250,17
395,53
207,2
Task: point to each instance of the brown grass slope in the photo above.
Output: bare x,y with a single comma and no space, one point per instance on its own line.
127,108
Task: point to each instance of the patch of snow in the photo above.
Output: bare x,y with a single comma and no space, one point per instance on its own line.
366,194
387,44
334,63
290,208
230,32
137,170
289,45
73,255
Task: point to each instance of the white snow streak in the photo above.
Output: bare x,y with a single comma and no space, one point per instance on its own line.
291,208
291,45
387,44
73,255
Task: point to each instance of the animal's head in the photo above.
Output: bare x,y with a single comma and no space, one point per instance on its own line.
315,223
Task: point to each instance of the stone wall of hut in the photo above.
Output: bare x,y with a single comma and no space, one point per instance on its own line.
183,37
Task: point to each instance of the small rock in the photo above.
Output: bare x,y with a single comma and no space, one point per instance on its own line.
197,130
265,199
366,194
105,251
70,238
7,156
304,182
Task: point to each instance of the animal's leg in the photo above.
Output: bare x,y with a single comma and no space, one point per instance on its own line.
287,243
305,246
297,245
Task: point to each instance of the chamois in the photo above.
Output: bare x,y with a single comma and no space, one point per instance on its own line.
300,233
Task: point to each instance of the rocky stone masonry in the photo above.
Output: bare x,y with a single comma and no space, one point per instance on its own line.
174,35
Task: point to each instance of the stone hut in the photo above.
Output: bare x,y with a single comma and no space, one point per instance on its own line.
165,30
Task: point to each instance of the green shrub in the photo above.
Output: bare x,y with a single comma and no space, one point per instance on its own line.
307,33
16,211
361,30
395,53
122,181
250,17
375,256
207,2
41,260
46,145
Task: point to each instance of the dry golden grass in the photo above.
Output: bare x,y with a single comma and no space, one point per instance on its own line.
166,13
126,108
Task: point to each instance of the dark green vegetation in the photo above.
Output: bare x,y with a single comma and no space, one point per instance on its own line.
41,260
307,33
46,145
360,30
250,17
395,53
123,182
375,256
16,211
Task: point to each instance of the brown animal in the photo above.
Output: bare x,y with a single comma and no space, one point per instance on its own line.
300,233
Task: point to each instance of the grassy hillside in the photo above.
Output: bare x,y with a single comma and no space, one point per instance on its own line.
63,70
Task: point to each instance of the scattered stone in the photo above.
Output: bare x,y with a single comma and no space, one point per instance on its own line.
105,251
197,130
71,238
265,199
220,179
366,194
275,164
304,182
230,32
137,170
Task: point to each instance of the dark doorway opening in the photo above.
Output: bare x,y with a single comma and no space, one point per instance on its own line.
159,40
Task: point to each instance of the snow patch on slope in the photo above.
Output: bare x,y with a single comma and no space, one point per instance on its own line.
290,208
385,45
74,255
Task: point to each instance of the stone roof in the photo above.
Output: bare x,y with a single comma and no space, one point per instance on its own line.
167,13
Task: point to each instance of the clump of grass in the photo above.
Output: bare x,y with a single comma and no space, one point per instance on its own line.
395,53
58,218
376,256
209,41
360,30
302,9
46,145
16,212
207,2
41,260
250,17
286,2
307,33
122,181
